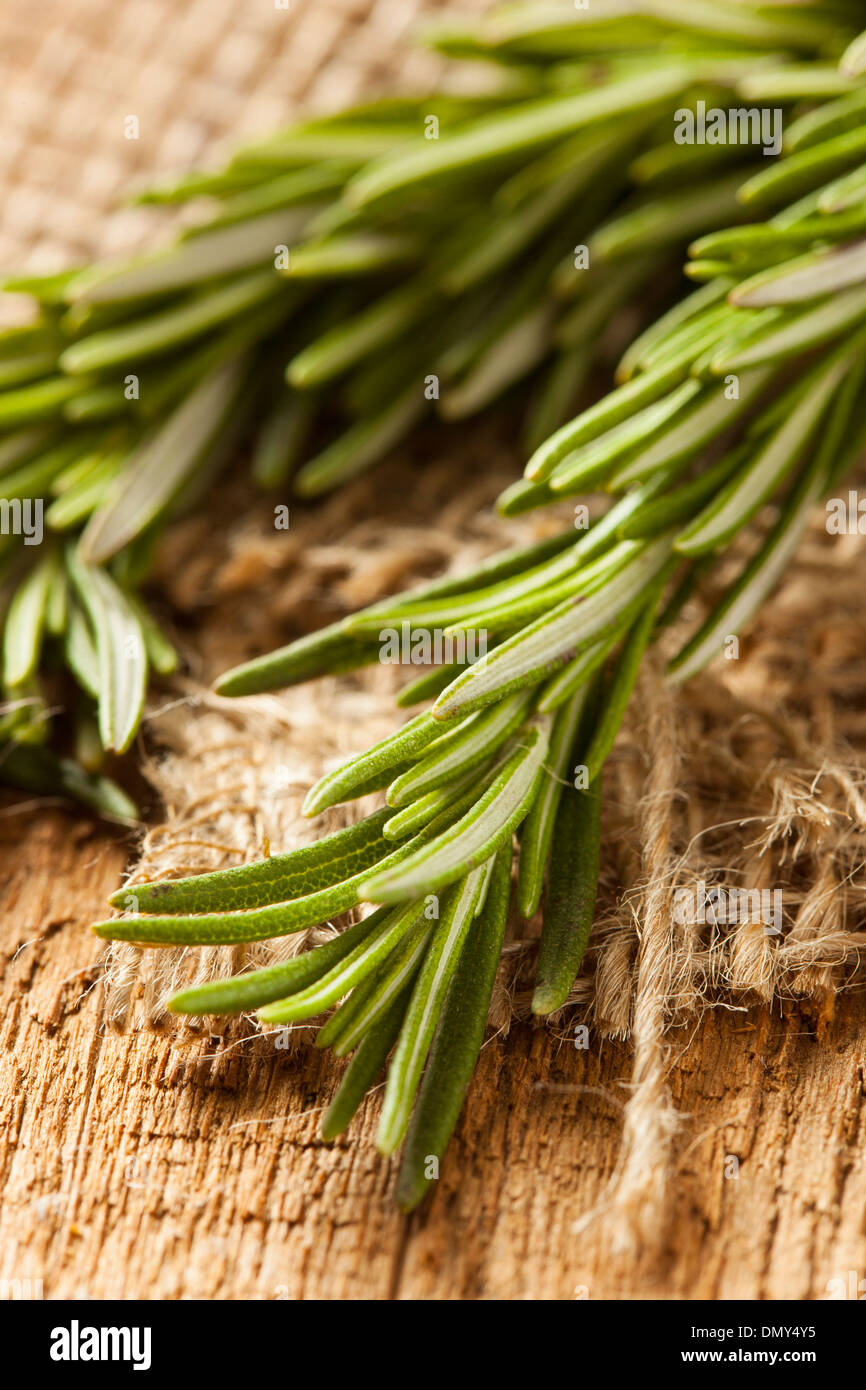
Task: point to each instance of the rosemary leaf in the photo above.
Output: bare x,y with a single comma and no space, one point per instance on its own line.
478,834
552,640
363,1069
259,987
120,650
39,771
741,498
343,783
277,879
25,621
464,748
372,998
537,830
205,257
157,470
622,683
424,1008
343,976
456,1042
570,900
501,136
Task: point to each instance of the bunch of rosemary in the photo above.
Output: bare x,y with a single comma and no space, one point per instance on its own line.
748,392
354,273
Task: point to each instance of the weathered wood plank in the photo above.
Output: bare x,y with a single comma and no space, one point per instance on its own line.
162,1165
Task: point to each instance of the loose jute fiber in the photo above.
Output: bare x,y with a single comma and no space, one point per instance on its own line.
751,780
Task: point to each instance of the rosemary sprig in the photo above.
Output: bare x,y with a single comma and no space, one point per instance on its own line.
524,731
438,236
453,260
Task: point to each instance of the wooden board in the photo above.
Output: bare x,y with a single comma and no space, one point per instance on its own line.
168,1165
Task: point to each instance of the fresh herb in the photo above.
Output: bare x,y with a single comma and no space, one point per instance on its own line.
723,406
447,236
359,271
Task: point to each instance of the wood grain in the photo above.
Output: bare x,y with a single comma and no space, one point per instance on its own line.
169,1165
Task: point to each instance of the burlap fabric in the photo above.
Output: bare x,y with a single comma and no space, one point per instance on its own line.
200,77
753,777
